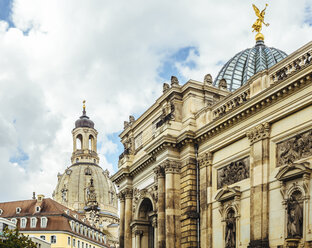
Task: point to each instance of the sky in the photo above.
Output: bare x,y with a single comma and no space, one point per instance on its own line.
115,55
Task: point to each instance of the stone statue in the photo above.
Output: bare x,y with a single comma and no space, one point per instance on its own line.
295,218
166,87
174,81
223,84
230,230
208,79
257,26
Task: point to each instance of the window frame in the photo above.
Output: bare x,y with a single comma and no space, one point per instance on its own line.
52,239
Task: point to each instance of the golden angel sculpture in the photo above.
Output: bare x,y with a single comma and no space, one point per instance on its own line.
257,26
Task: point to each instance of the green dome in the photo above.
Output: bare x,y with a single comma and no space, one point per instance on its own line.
247,63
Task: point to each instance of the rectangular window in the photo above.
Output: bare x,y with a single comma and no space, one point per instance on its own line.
23,222
53,239
68,240
42,237
82,244
43,222
74,242
33,222
78,244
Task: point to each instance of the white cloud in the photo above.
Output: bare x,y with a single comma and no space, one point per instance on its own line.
108,52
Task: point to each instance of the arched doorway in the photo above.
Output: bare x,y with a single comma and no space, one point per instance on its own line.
144,229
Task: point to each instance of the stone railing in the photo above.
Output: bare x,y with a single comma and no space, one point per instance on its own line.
232,103
295,65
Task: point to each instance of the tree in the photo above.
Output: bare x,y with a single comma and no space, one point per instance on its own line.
14,239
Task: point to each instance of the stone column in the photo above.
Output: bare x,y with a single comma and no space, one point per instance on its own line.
128,217
259,172
161,232
205,163
173,205
121,197
138,234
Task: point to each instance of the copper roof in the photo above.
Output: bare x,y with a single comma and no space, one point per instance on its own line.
59,216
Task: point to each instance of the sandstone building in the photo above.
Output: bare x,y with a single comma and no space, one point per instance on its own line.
85,187
223,163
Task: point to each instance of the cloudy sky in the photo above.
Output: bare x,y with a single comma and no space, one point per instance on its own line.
115,54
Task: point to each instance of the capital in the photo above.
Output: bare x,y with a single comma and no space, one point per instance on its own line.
121,196
159,171
259,132
172,167
128,193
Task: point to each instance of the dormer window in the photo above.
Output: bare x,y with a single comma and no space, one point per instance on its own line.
38,209
23,222
1,211
75,216
67,211
14,220
33,222
18,210
43,222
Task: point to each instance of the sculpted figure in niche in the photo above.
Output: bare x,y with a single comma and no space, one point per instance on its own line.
230,230
295,216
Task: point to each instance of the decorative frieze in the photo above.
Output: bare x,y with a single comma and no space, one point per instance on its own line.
259,132
172,166
295,148
234,172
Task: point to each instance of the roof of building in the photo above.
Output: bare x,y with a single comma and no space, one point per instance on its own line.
84,120
247,63
58,216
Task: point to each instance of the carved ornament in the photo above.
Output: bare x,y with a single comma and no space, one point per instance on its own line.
223,84
166,87
234,172
174,81
138,195
172,166
159,171
208,79
128,193
259,132
205,159
295,148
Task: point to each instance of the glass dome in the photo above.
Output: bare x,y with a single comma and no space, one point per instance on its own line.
247,63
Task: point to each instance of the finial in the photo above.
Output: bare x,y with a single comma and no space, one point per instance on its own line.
84,107
257,26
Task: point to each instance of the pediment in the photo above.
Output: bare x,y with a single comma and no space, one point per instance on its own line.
227,193
293,170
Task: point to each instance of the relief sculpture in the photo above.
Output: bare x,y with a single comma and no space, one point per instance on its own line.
234,172
295,148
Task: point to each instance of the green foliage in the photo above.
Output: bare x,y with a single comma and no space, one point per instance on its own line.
14,239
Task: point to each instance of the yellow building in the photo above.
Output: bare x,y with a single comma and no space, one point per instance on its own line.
48,220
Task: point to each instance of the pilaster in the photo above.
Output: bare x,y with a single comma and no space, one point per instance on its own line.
259,172
173,204
205,166
121,197
128,217
161,223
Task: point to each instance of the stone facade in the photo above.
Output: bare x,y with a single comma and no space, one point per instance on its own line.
215,168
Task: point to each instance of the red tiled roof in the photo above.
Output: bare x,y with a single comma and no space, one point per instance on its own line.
58,219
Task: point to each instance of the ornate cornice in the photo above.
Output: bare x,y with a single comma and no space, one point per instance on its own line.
172,167
205,159
259,132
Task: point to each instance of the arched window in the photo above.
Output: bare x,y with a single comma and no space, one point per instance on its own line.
44,222
33,222
79,142
91,143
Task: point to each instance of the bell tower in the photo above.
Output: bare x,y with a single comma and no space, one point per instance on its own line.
84,140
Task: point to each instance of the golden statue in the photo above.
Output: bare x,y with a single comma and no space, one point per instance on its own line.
84,104
257,26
